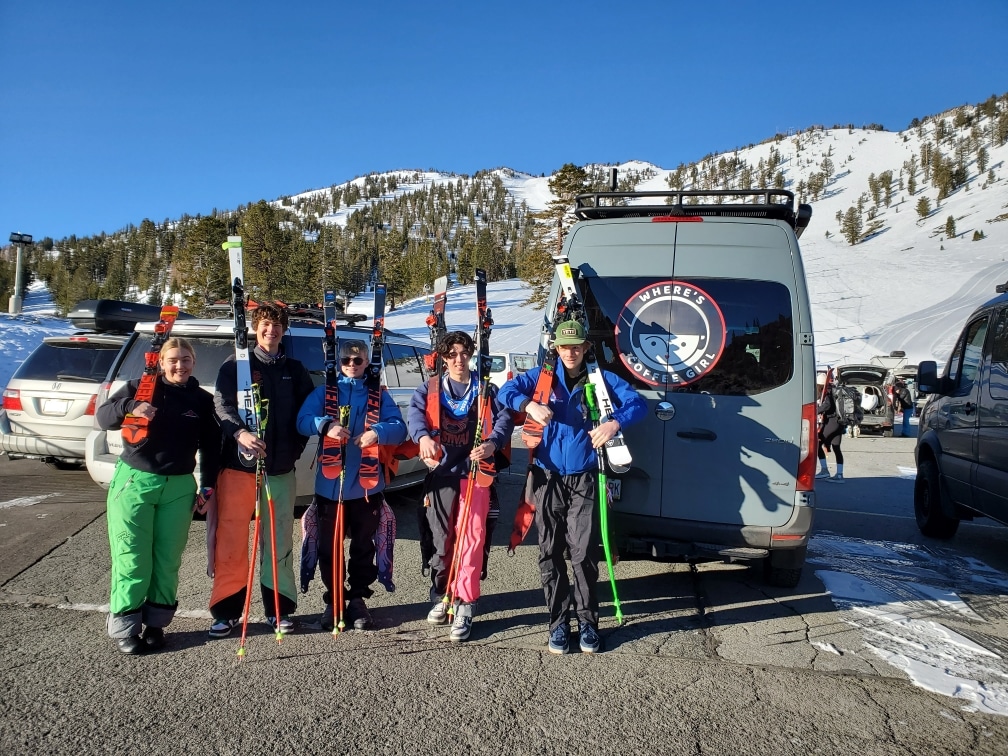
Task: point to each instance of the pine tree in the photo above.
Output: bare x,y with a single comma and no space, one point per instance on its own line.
950,227
201,265
851,226
923,207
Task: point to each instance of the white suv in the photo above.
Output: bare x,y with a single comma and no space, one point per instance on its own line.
213,341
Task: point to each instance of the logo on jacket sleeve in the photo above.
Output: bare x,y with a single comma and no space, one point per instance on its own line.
670,333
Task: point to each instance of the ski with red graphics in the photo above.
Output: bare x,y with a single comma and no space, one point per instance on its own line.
134,427
370,465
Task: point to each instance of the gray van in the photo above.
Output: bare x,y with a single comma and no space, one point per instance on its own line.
962,439
213,341
699,300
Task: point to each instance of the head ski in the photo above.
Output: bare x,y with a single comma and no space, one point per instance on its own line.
330,450
617,452
246,400
369,467
134,427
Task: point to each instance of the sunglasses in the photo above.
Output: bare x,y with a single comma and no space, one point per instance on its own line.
355,361
456,355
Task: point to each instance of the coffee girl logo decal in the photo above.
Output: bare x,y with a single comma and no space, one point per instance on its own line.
677,357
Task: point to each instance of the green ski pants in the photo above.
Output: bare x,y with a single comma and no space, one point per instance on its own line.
148,525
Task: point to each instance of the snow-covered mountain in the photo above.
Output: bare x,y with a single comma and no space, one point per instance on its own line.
907,285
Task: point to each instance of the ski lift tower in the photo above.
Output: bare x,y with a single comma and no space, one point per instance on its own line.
14,308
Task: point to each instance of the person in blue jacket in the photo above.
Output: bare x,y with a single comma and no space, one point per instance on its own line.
361,507
564,480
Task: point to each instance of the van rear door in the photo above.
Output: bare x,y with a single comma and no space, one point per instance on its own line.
732,447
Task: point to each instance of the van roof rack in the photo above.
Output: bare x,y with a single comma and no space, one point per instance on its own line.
762,203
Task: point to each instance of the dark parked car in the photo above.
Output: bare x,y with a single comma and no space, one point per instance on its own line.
962,442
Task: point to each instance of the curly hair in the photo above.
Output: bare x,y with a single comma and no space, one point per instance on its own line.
453,338
272,312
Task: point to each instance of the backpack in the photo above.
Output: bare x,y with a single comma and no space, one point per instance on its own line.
847,401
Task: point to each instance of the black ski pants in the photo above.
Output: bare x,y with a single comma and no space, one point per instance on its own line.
360,523
566,520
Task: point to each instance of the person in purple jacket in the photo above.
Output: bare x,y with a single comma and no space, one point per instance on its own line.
361,509
448,447
564,480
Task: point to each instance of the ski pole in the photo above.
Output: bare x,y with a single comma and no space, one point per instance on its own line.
593,409
251,575
276,584
261,408
338,534
462,522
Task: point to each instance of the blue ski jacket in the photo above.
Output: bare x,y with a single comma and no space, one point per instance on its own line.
390,428
566,447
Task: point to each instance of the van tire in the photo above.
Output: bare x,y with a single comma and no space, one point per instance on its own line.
783,568
781,577
931,520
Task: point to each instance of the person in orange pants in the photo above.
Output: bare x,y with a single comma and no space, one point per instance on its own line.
283,383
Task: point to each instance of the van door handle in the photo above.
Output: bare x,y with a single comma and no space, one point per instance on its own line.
968,408
697,435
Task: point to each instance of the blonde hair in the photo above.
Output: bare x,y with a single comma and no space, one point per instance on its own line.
176,342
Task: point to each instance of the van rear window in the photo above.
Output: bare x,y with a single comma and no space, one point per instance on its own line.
86,361
710,335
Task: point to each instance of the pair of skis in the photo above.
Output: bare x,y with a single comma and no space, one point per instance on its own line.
331,453
251,406
570,306
135,428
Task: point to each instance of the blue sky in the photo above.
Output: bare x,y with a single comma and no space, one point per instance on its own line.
120,111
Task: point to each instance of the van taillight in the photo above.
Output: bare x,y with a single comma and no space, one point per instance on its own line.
12,400
91,405
807,453
510,374
677,219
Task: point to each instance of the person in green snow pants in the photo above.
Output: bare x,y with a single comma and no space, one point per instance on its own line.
153,493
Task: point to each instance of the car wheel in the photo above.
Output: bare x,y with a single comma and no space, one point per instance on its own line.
931,520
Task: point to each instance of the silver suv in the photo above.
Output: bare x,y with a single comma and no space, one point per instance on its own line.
49,404
213,341
962,441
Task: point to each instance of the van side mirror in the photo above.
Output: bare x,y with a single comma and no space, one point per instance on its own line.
927,378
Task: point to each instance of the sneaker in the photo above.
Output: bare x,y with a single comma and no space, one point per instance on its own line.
463,622
558,639
822,474
357,614
286,625
438,615
857,431
838,478
154,638
590,641
221,628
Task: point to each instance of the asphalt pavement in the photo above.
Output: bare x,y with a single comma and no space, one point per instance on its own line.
710,660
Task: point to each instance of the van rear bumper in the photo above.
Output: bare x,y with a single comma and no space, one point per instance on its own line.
667,538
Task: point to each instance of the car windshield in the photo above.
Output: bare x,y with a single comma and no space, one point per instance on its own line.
497,363
84,361
522,362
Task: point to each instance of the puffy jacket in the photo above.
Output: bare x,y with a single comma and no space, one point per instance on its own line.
566,447
390,428
284,384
